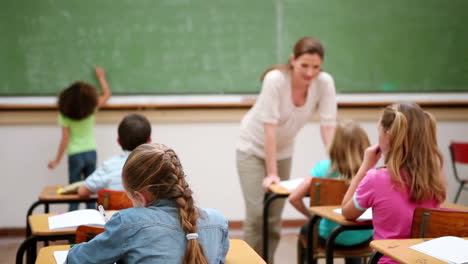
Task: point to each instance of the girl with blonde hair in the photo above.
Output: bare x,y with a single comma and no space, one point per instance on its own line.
164,226
346,152
412,176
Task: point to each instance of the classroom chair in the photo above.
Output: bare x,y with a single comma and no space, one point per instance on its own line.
85,233
433,223
459,155
326,192
113,200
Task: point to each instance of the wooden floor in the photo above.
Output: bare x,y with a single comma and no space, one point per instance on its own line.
286,253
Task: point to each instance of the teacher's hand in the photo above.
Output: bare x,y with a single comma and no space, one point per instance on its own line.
270,179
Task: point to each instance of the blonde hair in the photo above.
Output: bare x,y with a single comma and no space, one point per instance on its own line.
305,45
156,168
413,158
347,149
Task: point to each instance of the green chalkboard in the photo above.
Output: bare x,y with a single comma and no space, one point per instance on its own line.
222,46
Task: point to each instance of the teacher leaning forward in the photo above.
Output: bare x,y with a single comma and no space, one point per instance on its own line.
290,95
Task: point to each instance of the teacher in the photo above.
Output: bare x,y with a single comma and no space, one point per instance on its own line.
290,95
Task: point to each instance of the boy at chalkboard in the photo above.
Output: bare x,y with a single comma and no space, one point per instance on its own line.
78,105
134,130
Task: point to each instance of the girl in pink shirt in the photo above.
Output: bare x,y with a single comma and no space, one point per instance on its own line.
412,176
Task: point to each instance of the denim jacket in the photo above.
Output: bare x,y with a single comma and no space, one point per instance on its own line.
153,234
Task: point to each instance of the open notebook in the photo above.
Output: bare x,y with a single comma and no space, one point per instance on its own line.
448,248
75,218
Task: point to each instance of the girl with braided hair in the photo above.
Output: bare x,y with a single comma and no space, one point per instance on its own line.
164,226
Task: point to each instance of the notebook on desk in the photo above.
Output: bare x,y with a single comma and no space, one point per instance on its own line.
75,218
448,248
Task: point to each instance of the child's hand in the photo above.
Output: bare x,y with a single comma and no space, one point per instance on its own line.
270,179
100,72
52,164
371,157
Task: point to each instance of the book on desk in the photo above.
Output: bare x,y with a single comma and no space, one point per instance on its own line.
76,218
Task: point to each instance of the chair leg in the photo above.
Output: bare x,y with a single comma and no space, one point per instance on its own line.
458,192
300,252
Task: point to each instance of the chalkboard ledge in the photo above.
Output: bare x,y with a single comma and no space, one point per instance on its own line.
235,101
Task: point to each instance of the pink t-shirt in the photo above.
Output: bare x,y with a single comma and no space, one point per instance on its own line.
391,208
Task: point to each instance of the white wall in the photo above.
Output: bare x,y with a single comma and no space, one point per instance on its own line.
206,149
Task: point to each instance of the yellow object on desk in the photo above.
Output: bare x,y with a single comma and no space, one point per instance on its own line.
70,188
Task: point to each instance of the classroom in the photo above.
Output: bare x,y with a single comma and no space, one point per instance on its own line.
193,70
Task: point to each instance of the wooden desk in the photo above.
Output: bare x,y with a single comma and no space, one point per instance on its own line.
454,206
327,212
274,192
398,249
239,253
49,196
40,231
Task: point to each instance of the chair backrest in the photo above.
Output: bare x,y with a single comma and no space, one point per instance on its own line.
113,200
458,154
324,191
433,223
85,233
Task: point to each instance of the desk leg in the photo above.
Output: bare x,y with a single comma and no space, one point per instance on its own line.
374,259
29,246
267,200
30,211
25,247
309,254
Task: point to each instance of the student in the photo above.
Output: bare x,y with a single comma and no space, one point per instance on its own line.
164,226
290,95
346,151
134,130
412,176
77,105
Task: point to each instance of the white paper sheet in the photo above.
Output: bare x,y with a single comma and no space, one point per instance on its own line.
291,184
76,218
448,248
60,256
366,216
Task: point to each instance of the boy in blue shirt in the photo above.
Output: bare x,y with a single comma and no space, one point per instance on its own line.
134,130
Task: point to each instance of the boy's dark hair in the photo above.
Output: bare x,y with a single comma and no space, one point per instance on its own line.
134,130
78,101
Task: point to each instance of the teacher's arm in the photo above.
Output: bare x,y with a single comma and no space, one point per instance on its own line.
327,133
327,109
270,155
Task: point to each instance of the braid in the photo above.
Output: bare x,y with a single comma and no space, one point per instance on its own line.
156,168
188,215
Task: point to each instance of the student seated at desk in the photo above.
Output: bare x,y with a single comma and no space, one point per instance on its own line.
134,130
346,151
164,226
412,176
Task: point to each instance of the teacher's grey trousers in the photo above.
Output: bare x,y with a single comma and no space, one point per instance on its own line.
252,171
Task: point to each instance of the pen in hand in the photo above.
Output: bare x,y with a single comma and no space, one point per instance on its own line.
103,212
